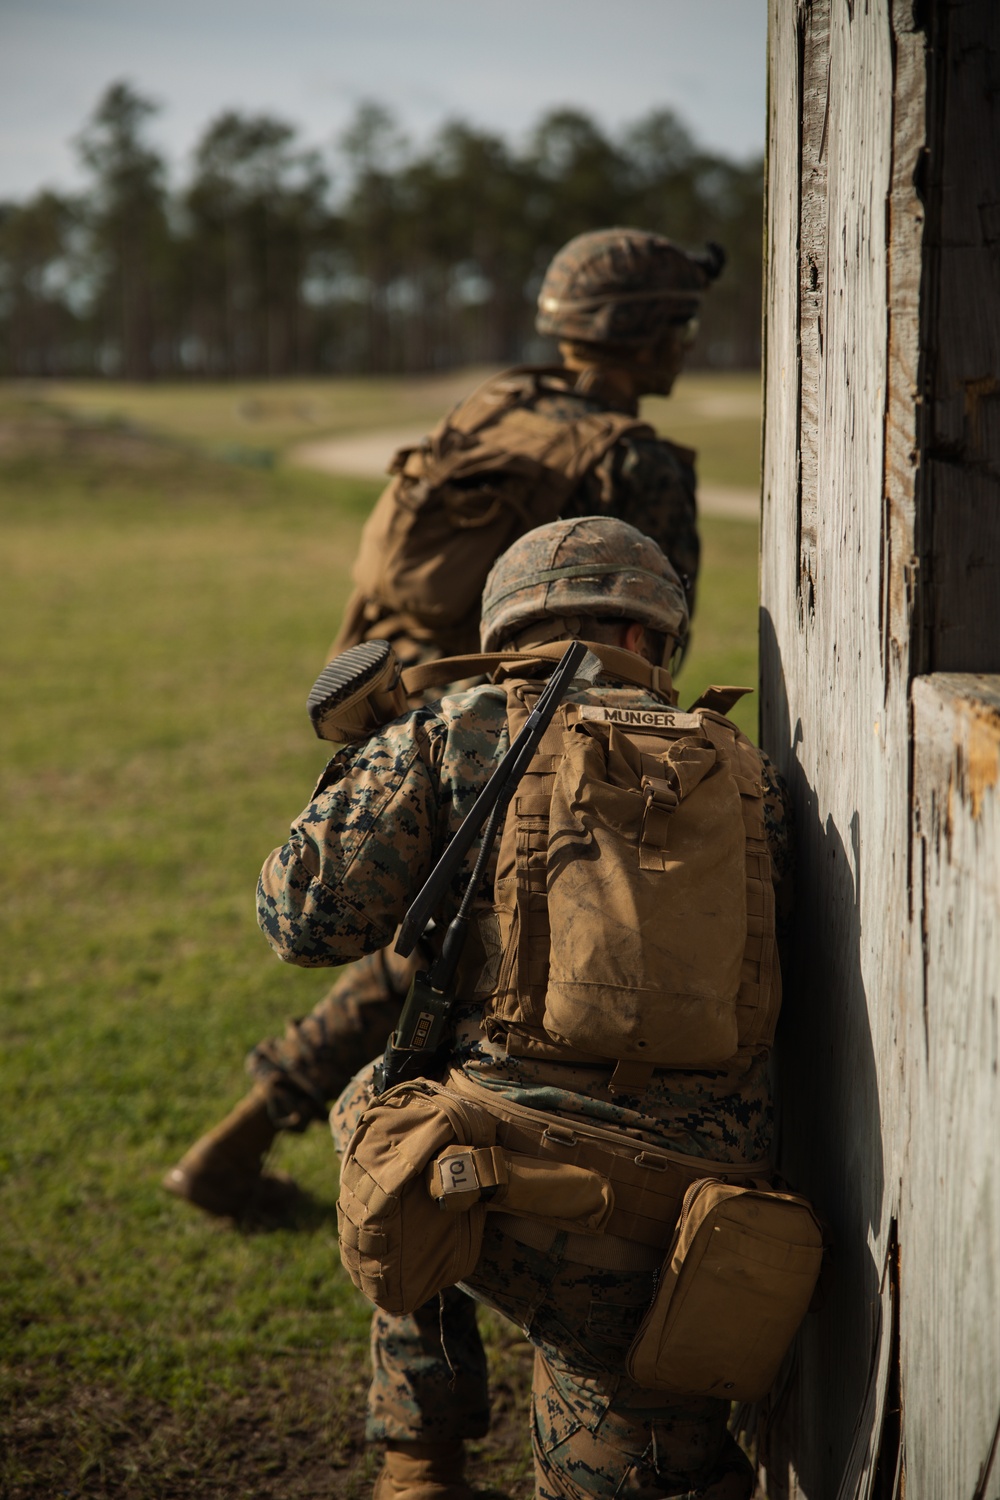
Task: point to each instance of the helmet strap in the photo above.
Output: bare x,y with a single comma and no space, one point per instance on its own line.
597,375
619,376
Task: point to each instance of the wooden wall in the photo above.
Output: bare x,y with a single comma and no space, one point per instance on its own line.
880,625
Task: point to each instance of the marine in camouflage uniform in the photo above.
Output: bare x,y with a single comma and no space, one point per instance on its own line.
378,820
622,303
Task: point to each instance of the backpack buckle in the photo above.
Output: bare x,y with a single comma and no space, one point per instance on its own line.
661,802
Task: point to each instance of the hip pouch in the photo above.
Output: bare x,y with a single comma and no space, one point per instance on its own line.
395,1244
416,1180
735,1285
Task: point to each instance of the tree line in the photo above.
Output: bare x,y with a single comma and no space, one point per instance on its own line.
275,259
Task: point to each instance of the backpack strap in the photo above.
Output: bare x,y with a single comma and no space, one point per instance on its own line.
618,662
497,429
720,699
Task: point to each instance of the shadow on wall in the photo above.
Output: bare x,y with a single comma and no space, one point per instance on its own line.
829,1128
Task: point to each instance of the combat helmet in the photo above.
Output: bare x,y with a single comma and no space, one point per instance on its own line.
593,566
624,287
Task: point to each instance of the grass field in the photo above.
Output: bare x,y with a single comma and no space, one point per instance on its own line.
257,420
162,618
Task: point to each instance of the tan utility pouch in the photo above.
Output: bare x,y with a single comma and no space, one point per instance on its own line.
633,898
646,886
419,1150
735,1285
395,1244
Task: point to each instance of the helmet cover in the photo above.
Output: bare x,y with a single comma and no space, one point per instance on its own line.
595,566
623,287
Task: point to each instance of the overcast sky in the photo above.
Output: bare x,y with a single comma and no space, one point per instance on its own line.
495,63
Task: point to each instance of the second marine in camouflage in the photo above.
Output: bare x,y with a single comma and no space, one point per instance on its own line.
530,445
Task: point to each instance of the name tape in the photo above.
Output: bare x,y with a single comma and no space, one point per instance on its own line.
642,718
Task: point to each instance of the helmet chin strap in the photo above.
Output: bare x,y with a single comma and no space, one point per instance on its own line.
618,375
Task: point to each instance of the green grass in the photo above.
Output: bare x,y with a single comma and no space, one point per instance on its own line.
162,618
262,416
724,635
719,415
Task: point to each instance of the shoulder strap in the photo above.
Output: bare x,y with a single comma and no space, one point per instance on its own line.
720,699
487,402
498,427
615,660
501,429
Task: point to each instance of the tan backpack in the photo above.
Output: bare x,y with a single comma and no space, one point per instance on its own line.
493,469
633,892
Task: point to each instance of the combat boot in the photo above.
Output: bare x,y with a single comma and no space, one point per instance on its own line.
223,1173
423,1471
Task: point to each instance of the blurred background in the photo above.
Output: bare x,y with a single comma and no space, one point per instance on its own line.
245,250
250,190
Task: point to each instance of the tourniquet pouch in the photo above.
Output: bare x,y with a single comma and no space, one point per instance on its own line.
735,1285
647,896
572,1198
395,1243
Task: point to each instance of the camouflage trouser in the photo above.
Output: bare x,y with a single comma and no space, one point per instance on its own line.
320,1053
428,1374
594,1431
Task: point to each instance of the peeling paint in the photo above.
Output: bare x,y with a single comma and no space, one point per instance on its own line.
981,743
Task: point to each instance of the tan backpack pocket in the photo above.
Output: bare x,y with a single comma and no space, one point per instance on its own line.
426,549
735,1285
646,889
396,1245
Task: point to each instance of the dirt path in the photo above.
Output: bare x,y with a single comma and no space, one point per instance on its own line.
367,454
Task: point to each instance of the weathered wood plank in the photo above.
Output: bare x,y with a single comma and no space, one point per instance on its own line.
815,121
825,712
885,475
781,368
902,451
950,1224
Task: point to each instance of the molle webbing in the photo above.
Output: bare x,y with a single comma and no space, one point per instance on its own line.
649,1183
759,997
